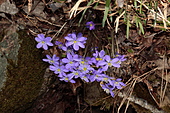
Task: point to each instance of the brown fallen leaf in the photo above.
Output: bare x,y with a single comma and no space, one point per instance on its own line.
120,3
29,5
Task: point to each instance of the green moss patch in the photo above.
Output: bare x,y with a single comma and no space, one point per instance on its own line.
24,80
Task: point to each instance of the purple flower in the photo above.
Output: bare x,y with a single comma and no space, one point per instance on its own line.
85,68
118,60
107,89
97,75
67,78
118,84
52,60
121,58
58,69
85,77
60,45
108,62
75,73
71,61
90,25
98,58
75,41
43,42
108,79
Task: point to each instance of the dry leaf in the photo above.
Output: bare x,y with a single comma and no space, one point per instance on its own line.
120,3
29,5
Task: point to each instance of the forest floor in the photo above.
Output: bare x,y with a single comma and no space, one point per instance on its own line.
137,29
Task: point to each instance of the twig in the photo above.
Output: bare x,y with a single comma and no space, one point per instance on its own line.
143,103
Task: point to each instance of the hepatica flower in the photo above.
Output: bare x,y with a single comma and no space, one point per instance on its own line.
60,45
107,89
108,62
90,25
71,61
98,58
43,42
118,84
75,40
73,66
60,70
67,78
52,60
97,75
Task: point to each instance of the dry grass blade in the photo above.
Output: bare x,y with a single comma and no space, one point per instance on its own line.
165,26
152,11
56,35
163,87
29,5
127,95
117,21
75,8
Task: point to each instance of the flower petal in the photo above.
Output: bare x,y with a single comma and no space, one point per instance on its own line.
102,53
65,60
48,39
45,46
76,47
68,38
38,39
39,45
82,39
80,44
49,44
69,44
41,36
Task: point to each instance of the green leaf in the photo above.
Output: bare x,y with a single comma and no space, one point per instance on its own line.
106,12
141,27
89,3
130,50
140,10
136,21
127,28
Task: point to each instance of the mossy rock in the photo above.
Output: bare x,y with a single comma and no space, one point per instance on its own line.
23,74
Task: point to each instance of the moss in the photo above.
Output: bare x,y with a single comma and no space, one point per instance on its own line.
24,80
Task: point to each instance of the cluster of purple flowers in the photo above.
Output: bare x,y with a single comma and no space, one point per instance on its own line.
88,69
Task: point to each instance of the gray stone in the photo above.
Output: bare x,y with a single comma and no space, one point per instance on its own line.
21,70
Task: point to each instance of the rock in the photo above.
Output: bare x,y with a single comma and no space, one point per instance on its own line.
9,8
21,71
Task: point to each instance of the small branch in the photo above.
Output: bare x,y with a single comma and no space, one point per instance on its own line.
143,103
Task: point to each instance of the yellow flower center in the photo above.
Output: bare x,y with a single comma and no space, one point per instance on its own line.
84,68
43,42
99,59
75,42
91,25
51,61
97,75
58,70
82,62
109,64
118,62
116,82
105,79
76,73
66,79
